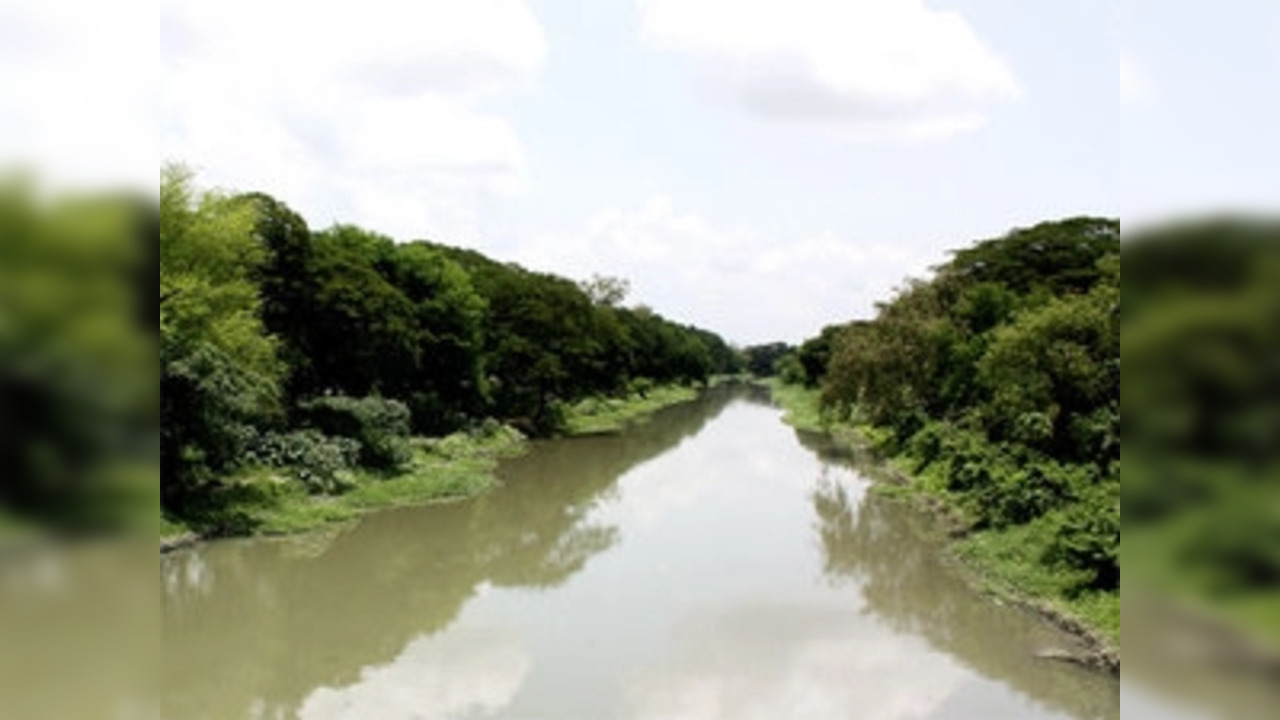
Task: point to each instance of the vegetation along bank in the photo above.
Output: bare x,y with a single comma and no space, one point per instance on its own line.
992,387
307,376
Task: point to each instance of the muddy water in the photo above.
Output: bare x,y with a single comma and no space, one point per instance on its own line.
709,564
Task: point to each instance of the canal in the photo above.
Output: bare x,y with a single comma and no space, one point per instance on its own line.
711,563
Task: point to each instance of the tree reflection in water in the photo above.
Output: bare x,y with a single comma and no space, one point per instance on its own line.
886,548
252,627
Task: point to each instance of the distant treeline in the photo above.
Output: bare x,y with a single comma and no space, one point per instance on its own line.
998,381
276,339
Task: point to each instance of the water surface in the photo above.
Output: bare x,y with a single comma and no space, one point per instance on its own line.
710,564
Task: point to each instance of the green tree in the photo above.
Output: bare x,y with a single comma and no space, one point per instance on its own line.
78,391
287,281
219,371
814,354
605,290
1053,377
362,334
762,359
447,387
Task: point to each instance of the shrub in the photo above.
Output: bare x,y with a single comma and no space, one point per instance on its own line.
640,386
1088,537
487,428
961,448
591,406
926,446
550,418
1014,493
790,370
316,459
379,425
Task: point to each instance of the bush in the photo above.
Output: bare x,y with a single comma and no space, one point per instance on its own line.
789,369
965,449
640,386
591,406
487,428
550,418
1088,538
1012,494
316,459
379,425
926,446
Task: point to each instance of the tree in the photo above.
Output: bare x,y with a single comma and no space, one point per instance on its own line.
605,290
761,359
286,278
361,334
814,354
219,371
447,386
1053,377
78,392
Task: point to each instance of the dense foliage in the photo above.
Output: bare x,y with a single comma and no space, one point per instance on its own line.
282,345
78,393
763,360
546,341
999,380
219,373
1201,483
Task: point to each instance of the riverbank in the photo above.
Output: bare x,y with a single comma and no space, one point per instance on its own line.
603,415
1004,563
269,501
597,415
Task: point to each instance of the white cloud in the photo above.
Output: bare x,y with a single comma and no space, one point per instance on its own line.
433,678
77,95
748,288
372,112
866,69
1133,83
820,667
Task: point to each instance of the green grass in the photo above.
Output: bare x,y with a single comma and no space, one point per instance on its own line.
14,527
606,415
1158,558
1007,563
171,528
801,405
268,501
296,511
1255,613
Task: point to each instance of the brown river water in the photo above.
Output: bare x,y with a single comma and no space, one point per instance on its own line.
712,563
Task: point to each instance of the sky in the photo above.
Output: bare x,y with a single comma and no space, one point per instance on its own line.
758,168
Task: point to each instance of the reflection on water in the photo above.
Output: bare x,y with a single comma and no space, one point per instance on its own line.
78,636
784,661
682,569
1183,666
253,626
877,545
460,674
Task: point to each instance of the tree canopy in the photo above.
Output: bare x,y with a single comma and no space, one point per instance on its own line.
999,378
271,330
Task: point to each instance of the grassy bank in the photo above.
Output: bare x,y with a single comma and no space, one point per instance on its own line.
272,501
610,414
1005,562
800,406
